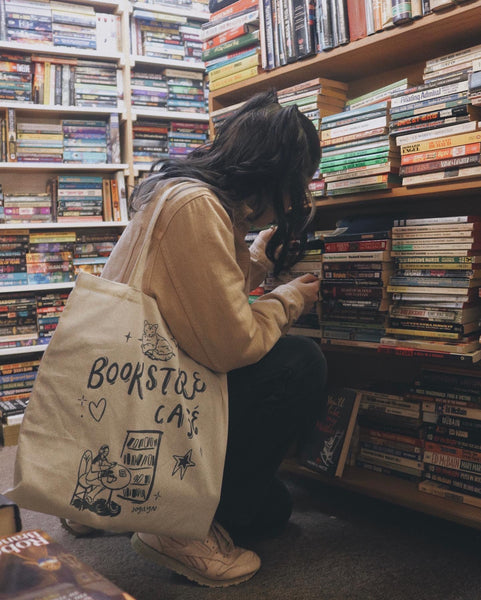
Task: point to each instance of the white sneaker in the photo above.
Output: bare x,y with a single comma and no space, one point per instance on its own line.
215,562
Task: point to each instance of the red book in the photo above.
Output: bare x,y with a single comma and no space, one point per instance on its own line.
356,13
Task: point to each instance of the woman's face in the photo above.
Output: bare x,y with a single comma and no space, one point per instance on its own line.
268,217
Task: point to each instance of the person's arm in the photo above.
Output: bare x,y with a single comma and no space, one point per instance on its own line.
200,289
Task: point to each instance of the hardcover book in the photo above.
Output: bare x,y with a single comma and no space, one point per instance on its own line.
326,448
35,567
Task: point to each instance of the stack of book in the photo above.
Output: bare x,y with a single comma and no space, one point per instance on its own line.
357,153
16,381
84,141
390,438
435,288
52,77
356,266
316,98
150,143
332,26
28,208
92,249
27,21
39,142
18,321
148,89
452,416
96,84
186,90
73,25
49,259
185,136
230,43
164,35
14,246
15,77
436,125
79,197
49,308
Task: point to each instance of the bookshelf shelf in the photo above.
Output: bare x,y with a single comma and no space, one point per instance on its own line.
27,107
64,225
60,51
40,348
53,166
396,491
168,115
136,59
68,285
172,10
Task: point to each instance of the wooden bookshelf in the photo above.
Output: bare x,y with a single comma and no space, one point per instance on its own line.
394,490
365,65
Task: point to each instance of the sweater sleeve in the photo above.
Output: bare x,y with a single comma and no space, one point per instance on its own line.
200,289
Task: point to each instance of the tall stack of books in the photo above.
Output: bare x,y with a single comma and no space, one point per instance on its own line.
15,77
13,261
148,89
435,288
84,141
18,321
39,142
73,25
150,143
315,98
79,197
186,90
185,136
357,153
95,83
452,416
92,249
28,208
230,43
390,435
356,266
17,379
27,21
164,35
49,259
436,125
49,308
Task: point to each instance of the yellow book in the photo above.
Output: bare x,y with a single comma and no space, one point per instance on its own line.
230,69
234,78
442,142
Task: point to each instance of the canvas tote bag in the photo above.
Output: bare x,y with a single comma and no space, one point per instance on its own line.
123,430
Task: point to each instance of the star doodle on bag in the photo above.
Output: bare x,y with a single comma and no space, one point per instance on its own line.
182,463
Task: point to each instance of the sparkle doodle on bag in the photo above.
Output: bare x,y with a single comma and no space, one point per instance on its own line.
154,345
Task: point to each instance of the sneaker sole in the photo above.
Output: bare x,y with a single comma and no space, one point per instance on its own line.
174,565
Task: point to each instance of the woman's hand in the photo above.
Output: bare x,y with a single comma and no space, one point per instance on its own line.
308,286
259,245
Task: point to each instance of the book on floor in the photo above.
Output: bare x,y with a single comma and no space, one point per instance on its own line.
35,567
9,517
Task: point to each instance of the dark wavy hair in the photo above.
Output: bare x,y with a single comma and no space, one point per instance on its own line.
262,153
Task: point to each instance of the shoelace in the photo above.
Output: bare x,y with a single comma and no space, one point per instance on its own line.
222,538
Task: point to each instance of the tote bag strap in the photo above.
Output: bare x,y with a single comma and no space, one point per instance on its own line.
135,279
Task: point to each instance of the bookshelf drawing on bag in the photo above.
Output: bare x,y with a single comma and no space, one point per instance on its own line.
416,442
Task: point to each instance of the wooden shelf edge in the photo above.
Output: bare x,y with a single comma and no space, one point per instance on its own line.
393,490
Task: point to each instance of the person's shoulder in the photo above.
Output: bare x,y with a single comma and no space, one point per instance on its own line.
191,194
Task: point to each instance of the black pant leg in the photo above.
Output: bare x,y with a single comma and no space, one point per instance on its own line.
271,403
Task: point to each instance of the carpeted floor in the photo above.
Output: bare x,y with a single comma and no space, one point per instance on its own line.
338,546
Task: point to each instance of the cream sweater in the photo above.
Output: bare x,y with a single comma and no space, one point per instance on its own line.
200,271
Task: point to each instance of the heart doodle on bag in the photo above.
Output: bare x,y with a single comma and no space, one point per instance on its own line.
97,409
